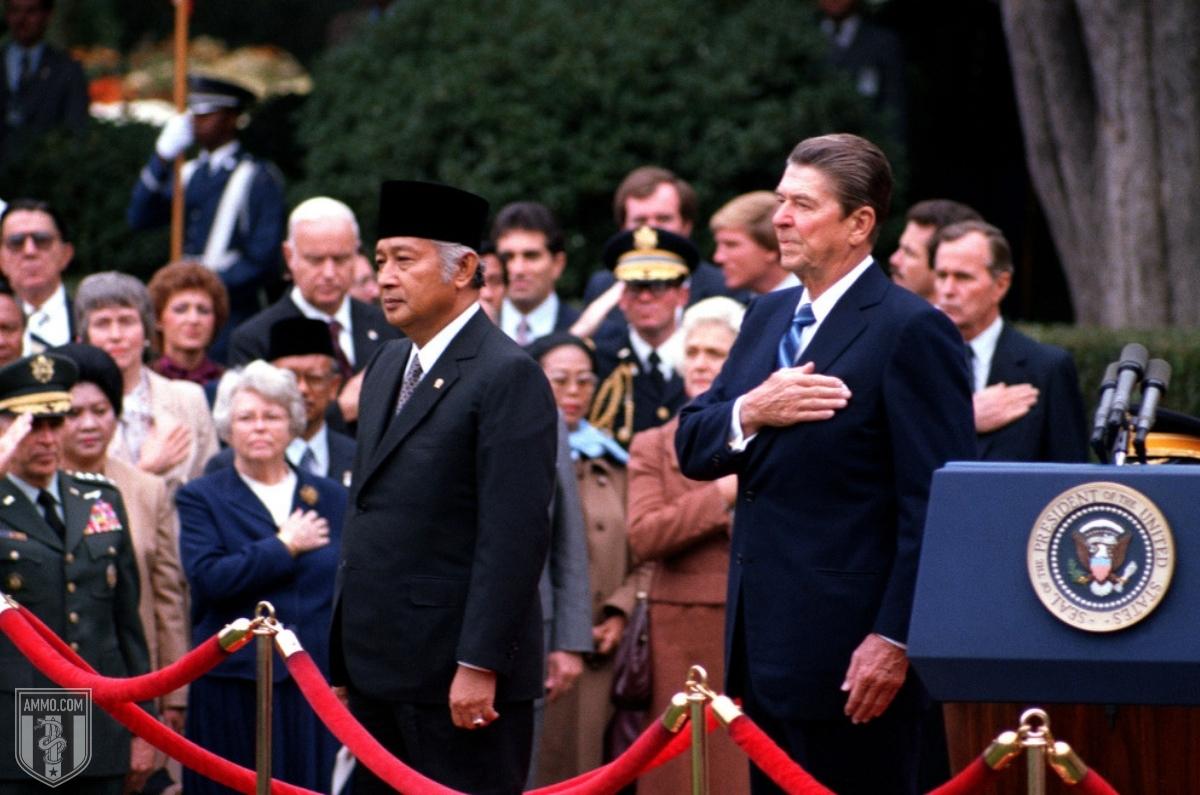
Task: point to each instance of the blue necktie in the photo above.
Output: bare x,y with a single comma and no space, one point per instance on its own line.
789,344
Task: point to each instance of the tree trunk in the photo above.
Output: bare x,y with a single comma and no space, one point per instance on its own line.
1109,95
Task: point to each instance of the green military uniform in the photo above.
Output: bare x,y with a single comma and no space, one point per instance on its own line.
84,586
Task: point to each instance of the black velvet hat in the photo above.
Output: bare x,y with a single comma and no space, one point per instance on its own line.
299,336
649,254
96,367
431,211
208,94
39,385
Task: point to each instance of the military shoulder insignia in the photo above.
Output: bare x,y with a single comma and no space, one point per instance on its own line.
309,495
102,519
42,368
1101,556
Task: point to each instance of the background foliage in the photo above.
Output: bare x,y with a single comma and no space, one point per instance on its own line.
557,100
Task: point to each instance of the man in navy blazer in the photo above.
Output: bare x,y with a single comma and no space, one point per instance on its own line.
1027,401
437,627
836,404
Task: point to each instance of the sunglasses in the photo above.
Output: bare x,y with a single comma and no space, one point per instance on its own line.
41,240
656,289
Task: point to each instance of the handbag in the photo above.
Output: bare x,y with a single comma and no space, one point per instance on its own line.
632,678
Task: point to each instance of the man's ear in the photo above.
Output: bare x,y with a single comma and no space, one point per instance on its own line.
464,274
862,223
1003,282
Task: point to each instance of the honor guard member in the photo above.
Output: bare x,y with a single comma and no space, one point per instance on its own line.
639,387
66,554
233,203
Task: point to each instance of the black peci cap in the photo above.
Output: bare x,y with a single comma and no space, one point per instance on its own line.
39,385
96,367
299,336
648,254
431,211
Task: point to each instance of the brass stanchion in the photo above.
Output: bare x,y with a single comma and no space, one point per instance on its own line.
265,628
1036,740
698,695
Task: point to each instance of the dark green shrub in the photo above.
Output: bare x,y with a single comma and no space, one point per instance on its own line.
555,100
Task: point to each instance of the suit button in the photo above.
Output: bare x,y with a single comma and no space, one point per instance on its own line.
112,551
68,558
749,495
71,587
716,459
73,617
14,555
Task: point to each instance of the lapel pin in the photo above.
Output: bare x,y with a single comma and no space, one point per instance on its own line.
438,383
8,499
308,495
372,334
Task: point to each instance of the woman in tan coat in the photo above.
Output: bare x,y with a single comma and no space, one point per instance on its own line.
165,426
573,729
684,525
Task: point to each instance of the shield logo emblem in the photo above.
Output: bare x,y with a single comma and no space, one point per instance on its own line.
54,733
1100,568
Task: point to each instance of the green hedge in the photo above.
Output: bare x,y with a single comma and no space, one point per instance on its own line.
1094,348
556,100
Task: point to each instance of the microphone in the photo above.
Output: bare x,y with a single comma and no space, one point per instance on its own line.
1129,372
1158,376
1100,422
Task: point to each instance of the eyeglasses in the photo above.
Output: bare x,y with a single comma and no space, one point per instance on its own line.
656,289
313,379
42,240
562,379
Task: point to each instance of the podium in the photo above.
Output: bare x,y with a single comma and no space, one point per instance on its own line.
1057,586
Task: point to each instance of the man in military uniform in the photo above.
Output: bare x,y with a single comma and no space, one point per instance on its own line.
66,555
233,203
639,386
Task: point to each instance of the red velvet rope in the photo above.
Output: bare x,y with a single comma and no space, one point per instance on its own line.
145,726
147,687
771,759
1093,783
972,778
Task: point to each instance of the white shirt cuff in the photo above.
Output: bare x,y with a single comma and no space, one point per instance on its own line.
738,442
896,643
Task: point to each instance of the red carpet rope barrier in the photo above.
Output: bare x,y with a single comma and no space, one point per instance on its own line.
109,690
771,759
972,778
1094,784
141,723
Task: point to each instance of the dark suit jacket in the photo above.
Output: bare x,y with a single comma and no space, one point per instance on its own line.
449,523
1054,428
35,569
233,560
341,458
370,330
55,96
829,516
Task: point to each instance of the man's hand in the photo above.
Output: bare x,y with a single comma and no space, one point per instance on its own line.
348,397
877,670
164,448
594,314
562,669
174,717
607,634
727,486
142,763
999,404
17,430
791,395
342,693
472,695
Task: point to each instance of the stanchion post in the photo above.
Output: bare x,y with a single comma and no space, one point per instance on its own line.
1037,740
697,696
264,639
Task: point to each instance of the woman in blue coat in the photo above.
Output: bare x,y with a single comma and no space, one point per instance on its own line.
260,530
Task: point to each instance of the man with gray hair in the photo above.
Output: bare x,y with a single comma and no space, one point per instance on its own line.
972,273
321,245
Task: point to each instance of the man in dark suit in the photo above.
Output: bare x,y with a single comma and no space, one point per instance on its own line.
836,404
529,244
41,87
302,346
437,628
69,558
1027,399
639,385
35,252
322,241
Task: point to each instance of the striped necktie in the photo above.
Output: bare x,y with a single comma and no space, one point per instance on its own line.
789,343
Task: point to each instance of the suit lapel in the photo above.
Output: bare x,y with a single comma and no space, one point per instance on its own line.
243,496
375,412
843,325
22,515
765,355
1007,365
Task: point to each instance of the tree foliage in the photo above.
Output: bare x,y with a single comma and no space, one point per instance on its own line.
556,100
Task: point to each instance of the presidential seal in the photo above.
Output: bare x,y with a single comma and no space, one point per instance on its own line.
1101,556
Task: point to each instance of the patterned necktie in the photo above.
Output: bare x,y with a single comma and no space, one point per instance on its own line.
308,461
411,378
339,353
50,512
523,332
789,343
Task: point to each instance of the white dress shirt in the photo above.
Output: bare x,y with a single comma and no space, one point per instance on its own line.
48,325
276,497
668,354
342,315
540,320
984,347
433,350
319,444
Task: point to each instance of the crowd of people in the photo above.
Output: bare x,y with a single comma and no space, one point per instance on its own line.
389,456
